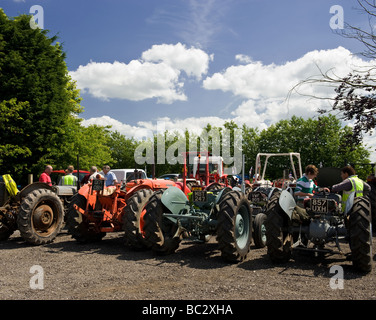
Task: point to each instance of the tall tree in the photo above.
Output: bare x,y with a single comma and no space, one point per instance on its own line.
33,70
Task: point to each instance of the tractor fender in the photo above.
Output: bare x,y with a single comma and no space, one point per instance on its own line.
34,186
175,200
136,188
287,203
221,193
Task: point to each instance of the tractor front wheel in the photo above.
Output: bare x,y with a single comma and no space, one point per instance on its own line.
259,234
78,224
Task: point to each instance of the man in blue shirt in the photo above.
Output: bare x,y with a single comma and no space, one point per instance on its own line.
109,176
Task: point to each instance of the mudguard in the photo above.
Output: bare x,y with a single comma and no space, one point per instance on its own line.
221,193
175,200
287,202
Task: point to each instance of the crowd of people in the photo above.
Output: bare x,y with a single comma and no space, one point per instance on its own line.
69,179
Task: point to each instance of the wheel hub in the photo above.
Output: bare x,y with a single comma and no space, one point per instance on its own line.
239,224
43,217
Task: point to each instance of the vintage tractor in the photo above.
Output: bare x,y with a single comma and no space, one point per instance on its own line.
172,215
263,190
321,221
96,209
36,211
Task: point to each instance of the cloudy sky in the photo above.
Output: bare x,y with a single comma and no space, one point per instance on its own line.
192,62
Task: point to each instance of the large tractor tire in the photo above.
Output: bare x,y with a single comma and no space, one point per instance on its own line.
77,223
160,232
361,234
133,219
372,199
234,231
40,216
278,240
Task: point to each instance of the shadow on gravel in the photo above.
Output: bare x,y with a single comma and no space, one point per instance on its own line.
194,255
305,265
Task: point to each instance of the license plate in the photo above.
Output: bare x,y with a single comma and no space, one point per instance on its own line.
319,205
98,185
199,196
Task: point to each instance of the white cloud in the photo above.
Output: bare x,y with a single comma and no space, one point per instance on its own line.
255,80
262,89
194,62
265,88
156,75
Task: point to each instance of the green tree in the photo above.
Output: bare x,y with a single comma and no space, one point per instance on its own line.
33,70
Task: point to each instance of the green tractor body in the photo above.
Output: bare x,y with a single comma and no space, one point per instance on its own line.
171,216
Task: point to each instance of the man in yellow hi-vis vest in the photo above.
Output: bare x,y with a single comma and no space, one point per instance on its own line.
350,184
69,179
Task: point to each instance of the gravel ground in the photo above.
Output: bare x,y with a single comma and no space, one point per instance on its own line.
109,270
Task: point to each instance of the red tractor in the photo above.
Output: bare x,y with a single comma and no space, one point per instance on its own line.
96,209
206,169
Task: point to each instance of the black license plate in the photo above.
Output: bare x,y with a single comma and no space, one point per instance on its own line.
200,196
319,205
98,185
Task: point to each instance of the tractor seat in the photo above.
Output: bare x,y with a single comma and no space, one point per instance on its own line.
109,190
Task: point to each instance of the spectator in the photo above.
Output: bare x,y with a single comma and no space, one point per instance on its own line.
350,184
90,176
109,176
45,176
69,179
305,185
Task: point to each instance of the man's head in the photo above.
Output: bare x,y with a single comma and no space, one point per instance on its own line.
346,172
48,169
93,169
70,169
106,169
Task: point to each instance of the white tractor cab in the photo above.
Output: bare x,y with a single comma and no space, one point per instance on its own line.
289,177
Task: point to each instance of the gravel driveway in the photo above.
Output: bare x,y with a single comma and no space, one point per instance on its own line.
109,270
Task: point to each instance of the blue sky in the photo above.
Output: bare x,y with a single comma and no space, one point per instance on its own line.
190,62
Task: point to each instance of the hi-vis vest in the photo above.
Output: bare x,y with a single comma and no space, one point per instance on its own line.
69,180
357,188
10,185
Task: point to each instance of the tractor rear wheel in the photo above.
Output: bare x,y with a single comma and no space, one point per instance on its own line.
360,234
160,232
133,219
40,216
278,240
77,223
234,231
